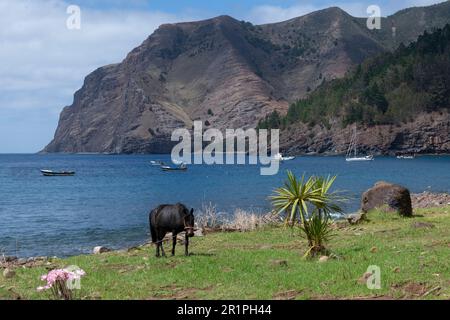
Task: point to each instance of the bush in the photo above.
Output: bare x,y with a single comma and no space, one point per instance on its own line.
308,204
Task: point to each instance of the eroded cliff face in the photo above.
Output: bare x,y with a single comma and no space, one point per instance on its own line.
226,73
428,133
183,72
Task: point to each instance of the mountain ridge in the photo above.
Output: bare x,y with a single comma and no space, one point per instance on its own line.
224,72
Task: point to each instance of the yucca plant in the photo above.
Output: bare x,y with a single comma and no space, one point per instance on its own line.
308,203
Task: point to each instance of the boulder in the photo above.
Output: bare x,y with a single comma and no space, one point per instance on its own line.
356,218
8,259
100,249
8,273
385,194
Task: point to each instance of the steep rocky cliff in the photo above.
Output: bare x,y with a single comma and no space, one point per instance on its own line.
224,72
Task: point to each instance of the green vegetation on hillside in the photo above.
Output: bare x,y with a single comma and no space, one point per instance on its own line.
388,89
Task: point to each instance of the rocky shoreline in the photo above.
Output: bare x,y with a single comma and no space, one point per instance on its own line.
429,200
426,134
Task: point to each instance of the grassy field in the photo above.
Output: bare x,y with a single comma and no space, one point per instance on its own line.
267,264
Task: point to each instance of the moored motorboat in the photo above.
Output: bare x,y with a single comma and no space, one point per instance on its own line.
182,167
156,163
51,173
280,157
365,158
406,156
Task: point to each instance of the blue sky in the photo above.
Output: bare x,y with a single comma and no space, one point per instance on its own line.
44,63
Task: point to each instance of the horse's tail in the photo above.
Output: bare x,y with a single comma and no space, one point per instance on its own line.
152,227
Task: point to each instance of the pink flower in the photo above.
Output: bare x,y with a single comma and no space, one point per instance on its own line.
62,275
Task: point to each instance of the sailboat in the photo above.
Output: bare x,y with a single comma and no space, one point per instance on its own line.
352,152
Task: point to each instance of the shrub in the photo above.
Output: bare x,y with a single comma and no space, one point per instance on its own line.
308,203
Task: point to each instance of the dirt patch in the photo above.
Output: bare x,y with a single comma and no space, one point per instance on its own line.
375,297
437,243
287,295
278,263
9,293
411,289
121,268
388,230
173,292
288,246
13,262
422,225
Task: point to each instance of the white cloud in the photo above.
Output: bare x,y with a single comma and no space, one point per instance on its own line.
38,52
271,13
421,3
43,63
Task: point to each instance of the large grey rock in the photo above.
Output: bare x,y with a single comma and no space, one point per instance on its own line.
8,258
388,195
100,249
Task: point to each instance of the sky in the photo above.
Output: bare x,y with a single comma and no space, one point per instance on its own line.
42,62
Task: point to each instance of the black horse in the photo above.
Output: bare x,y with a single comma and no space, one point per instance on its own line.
173,218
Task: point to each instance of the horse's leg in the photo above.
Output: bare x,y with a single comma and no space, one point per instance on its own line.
186,245
157,244
174,240
161,243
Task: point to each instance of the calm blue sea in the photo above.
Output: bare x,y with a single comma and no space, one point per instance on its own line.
108,200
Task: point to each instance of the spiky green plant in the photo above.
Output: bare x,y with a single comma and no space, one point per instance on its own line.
308,203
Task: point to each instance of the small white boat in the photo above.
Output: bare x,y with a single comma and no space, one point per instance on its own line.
406,157
51,173
182,167
156,163
352,152
366,158
280,157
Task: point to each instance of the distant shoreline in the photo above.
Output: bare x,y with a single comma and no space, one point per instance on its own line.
324,154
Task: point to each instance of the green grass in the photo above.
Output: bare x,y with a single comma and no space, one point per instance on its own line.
238,265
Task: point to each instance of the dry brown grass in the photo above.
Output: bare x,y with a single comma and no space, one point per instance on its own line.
241,220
